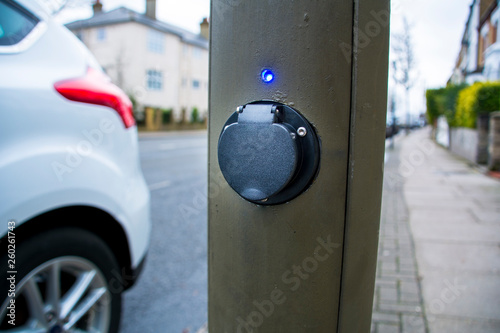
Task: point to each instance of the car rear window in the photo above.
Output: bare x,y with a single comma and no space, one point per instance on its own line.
15,23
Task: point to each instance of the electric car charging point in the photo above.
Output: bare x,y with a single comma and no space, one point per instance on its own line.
265,154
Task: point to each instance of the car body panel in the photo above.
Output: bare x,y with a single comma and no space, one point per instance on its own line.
58,153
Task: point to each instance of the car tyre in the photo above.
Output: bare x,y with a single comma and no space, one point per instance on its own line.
67,280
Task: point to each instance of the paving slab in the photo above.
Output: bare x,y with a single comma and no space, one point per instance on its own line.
398,300
461,325
439,245
458,256
474,297
456,232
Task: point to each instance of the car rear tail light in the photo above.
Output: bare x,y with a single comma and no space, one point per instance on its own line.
96,88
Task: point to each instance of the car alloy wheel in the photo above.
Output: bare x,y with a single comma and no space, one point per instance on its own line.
66,294
63,285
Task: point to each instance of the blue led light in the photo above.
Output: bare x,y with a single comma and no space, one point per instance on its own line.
267,76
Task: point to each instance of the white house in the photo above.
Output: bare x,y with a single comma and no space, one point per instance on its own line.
466,68
489,30
479,57
158,64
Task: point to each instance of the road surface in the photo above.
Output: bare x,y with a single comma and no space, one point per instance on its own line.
171,295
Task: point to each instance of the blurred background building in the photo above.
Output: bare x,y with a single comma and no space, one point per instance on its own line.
479,56
157,64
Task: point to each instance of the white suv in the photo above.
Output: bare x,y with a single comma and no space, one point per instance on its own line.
74,206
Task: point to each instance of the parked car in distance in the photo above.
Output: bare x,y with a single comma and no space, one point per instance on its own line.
391,128
74,206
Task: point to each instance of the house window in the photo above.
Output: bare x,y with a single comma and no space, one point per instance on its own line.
196,84
101,34
156,41
154,79
185,49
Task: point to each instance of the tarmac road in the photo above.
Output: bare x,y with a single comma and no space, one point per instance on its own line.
171,295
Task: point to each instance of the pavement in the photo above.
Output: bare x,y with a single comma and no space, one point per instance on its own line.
439,244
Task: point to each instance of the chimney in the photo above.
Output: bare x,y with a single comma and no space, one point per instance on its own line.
205,28
97,7
151,9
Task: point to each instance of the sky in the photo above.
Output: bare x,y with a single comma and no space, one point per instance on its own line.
437,27
186,14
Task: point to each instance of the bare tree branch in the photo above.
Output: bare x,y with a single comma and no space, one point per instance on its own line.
403,64
57,6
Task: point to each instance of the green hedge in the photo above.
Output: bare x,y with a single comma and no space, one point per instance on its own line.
481,97
195,115
166,116
442,102
434,109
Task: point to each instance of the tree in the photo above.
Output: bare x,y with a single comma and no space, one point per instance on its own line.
57,6
403,64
